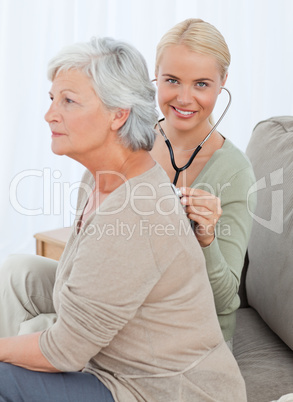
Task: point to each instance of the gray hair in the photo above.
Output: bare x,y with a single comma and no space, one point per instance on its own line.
120,79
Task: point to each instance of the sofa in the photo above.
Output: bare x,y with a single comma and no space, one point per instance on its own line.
263,340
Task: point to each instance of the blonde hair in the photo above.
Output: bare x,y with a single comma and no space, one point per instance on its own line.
200,37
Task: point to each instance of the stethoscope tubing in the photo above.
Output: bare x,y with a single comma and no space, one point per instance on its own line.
178,169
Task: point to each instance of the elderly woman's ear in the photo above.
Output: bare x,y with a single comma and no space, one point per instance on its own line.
120,118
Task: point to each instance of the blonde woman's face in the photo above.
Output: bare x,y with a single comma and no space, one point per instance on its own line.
188,86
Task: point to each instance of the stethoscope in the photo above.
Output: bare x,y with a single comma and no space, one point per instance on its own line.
178,169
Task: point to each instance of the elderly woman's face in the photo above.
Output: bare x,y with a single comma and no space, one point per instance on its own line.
79,121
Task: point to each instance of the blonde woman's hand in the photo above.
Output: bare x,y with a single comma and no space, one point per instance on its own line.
205,210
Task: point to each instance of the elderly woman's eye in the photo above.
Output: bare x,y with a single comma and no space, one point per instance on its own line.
69,100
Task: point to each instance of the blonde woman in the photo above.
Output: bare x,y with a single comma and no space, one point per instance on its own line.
191,70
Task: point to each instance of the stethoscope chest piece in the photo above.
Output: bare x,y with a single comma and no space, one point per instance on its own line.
177,191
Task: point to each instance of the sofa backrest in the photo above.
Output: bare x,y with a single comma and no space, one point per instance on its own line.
269,278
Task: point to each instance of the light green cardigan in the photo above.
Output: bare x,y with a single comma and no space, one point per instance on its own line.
228,175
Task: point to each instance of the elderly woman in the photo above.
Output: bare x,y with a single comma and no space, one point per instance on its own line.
135,313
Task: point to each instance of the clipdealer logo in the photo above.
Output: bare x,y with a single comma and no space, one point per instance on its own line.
276,221
57,197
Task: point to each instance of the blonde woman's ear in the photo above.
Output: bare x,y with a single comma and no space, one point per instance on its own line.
224,80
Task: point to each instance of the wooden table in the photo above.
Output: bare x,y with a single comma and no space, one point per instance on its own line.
51,243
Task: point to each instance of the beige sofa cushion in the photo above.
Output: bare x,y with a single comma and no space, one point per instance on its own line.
269,281
266,363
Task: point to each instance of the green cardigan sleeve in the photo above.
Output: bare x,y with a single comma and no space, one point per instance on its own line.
225,255
229,175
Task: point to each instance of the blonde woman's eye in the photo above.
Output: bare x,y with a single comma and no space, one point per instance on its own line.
172,81
201,84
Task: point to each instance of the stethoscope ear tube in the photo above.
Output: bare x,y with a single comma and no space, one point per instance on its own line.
178,169
221,117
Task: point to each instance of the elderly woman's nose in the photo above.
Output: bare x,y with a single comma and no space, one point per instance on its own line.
52,113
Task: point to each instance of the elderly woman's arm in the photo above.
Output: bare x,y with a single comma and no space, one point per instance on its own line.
24,351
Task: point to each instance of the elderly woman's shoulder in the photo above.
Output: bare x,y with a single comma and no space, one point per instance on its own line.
87,178
86,185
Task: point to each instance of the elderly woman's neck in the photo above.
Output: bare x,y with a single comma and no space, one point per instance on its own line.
126,165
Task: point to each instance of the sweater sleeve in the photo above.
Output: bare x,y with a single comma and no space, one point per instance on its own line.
111,276
225,255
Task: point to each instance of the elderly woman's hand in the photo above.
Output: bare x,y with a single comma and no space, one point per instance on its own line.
205,210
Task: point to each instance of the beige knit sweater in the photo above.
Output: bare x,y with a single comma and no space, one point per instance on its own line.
134,303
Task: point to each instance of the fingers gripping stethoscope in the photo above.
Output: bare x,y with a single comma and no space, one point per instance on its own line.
178,169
